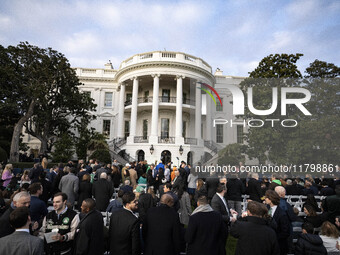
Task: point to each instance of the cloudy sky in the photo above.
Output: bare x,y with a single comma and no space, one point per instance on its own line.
232,35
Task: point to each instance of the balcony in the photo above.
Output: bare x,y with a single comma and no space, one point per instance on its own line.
191,141
167,56
161,99
141,139
166,140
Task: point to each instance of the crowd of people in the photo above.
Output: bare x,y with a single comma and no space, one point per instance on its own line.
162,209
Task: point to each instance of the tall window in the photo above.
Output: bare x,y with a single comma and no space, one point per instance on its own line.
127,129
106,127
128,97
219,133
146,96
166,95
164,128
219,107
184,129
240,134
145,129
108,99
185,98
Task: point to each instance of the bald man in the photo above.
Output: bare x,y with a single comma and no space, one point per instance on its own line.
161,229
102,191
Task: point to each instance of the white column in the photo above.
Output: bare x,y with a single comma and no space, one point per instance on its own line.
209,127
198,111
154,118
120,128
179,112
133,123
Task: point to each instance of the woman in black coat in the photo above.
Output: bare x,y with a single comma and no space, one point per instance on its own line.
85,189
115,176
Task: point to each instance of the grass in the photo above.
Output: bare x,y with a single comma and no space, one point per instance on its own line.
231,245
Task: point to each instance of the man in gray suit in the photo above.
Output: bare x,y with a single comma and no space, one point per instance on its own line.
69,184
21,242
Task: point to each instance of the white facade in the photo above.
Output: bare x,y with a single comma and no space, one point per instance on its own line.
152,100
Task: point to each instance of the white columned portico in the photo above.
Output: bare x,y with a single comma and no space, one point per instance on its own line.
133,124
198,112
120,128
209,127
154,117
179,111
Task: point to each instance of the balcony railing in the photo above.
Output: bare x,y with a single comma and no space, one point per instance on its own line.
188,101
144,100
161,99
192,141
166,99
166,139
167,56
141,139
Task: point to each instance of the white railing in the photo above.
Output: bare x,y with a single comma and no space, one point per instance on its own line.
166,56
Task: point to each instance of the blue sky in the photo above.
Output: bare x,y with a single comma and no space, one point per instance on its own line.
232,35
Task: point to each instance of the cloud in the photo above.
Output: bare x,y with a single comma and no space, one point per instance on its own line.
232,35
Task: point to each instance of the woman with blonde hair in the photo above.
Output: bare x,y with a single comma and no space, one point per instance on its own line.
330,236
7,175
44,163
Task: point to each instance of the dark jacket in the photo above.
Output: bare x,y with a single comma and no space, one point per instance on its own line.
38,209
332,206
314,220
309,244
85,191
145,202
201,192
102,191
294,189
124,233
235,189
5,227
282,230
211,184
255,237
115,205
89,239
161,231
206,234
254,190
218,206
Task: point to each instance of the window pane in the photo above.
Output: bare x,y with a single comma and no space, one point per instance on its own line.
145,129
164,128
219,107
184,129
127,129
108,99
106,127
240,134
219,133
166,95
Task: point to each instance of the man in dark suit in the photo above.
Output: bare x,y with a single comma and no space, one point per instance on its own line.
102,191
161,229
89,237
21,242
206,232
254,234
281,219
254,188
19,200
124,233
219,204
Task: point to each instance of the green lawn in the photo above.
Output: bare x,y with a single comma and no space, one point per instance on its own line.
231,245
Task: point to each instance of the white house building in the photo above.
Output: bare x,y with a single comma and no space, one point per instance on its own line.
154,107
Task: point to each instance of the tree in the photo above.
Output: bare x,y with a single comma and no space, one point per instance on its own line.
232,155
268,143
46,91
63,149
316,138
